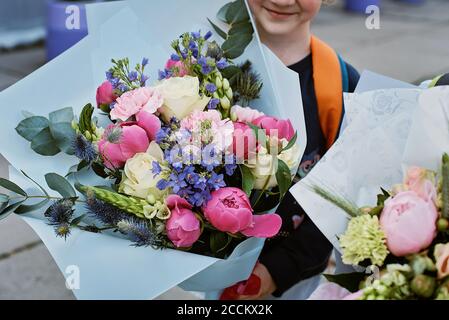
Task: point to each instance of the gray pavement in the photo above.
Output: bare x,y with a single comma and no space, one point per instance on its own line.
411,45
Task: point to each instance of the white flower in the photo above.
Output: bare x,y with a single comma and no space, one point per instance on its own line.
181,97
138,178
264,169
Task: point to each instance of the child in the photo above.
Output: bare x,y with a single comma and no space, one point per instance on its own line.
303,251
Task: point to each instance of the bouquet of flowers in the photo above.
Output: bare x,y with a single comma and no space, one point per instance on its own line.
183,163
398,244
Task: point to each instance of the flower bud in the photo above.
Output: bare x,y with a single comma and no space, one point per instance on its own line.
88,135
74,124
226,84
218,83
216,95
423,286
225,103
443,224
229,93
151,199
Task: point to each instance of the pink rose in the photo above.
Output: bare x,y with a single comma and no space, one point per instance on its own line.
441,254
409,223
244,141
150,123
417,180
180,70
229,210
122,142
246,114
183,227
270,124
105,94
132,102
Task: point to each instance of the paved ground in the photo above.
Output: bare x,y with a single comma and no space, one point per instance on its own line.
412,44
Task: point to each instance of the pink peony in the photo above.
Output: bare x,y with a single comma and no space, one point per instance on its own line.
244,141
150,123
132,102
246,114
177,67
417,180
122,142
105,94
229,210
270,124
183,227
409,223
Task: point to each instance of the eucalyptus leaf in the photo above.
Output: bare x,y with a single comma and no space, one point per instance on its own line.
218,30
231,73
237,12
37,184
4,201
64,136
248,179
223,11
30,208
235,45
60,185
10,209
241,28
283,177
44,143
11,186
62,116
30,127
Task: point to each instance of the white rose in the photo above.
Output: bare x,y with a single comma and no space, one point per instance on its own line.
264,169
138,178
181,97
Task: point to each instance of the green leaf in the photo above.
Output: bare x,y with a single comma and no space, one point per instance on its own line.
4,200
8,210
30,208
219,241
230,72
64,136
349,281
217,29
241,28
247,179
259,133
62,116
283,177
85,123
37,184
78,220
235,45
44,144
291,143
237,12
11,186
30,127
223,11
60,185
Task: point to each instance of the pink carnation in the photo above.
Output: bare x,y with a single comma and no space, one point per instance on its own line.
132,102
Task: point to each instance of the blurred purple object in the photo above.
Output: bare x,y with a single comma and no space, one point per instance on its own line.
66,25
360,6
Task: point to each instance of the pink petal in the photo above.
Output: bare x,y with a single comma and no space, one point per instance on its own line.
112,155
264,226
150,123
176,201
134,140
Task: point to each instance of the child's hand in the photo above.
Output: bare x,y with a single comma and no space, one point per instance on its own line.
267,285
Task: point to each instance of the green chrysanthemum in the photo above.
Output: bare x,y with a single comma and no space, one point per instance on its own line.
364,240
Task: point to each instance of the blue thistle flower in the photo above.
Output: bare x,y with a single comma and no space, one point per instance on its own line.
59,215
106,213
141,234
84,149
